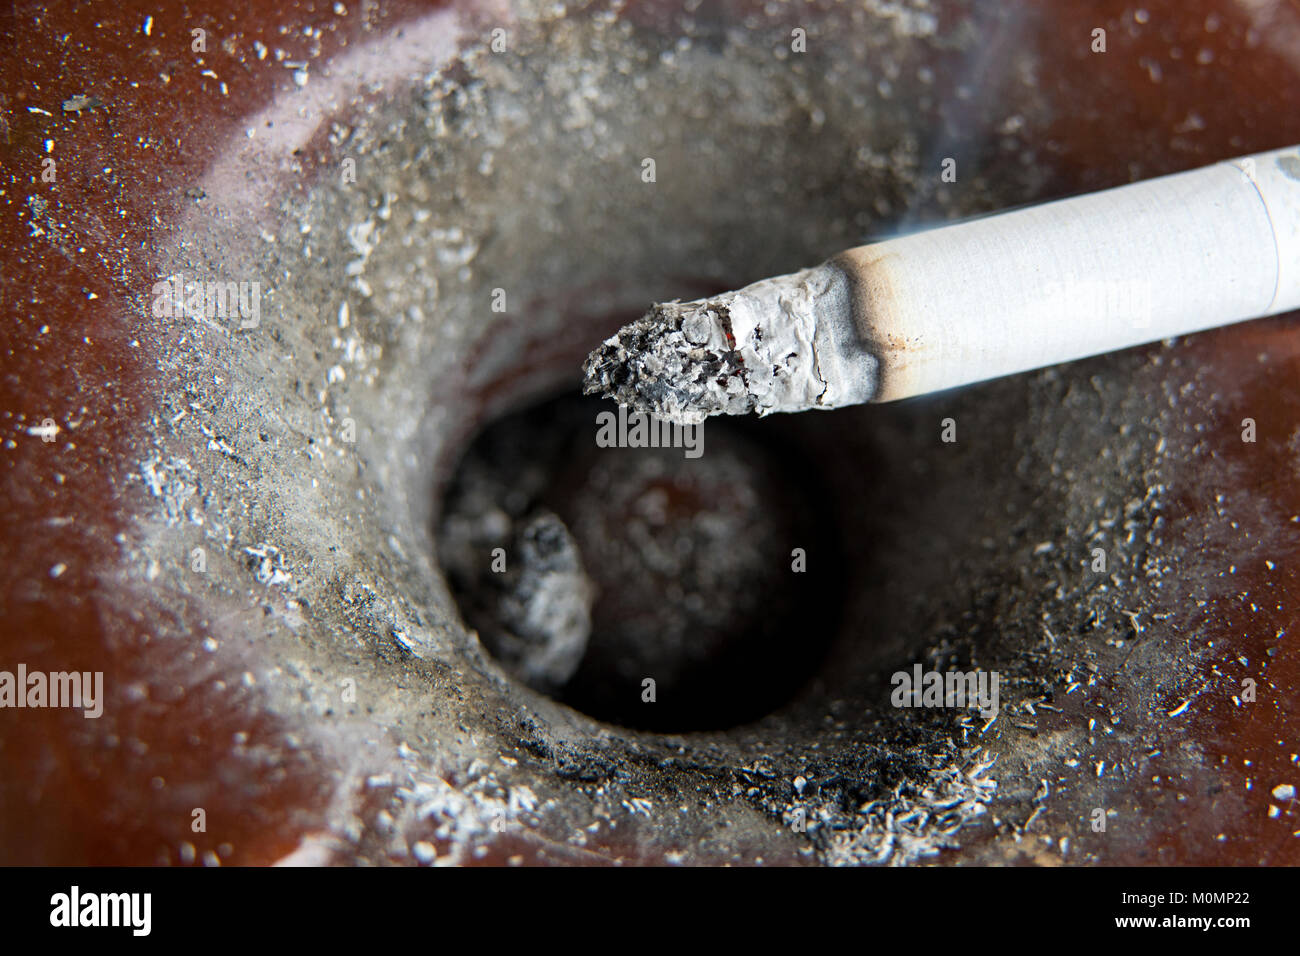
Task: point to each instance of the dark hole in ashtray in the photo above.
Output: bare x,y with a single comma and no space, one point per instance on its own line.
710,568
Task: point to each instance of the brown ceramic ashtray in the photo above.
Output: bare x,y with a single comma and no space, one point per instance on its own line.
262,527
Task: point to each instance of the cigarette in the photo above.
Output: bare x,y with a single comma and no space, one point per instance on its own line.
975,300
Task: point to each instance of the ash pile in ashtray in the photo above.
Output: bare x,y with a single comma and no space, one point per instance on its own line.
516,565
545,604
588,571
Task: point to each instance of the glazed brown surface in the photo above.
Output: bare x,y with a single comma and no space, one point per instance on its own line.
80,256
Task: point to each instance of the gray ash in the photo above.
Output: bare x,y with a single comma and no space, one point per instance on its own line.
662,364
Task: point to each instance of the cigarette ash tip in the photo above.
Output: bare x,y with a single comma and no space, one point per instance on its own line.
752,350
677,363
